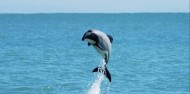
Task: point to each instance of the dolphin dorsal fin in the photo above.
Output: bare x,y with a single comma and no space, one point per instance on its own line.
110,37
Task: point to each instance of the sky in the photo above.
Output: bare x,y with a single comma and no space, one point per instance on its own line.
93,6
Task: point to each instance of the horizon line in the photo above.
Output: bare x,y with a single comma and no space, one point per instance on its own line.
85,12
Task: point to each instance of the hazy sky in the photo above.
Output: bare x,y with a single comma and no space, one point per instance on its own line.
92,6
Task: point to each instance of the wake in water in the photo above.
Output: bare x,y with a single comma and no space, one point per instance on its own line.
95,88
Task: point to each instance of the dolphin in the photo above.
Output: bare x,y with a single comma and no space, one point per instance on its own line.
102,43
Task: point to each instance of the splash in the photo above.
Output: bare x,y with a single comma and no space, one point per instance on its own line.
96,85
95,88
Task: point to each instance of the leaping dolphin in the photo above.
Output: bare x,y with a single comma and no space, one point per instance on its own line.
102,43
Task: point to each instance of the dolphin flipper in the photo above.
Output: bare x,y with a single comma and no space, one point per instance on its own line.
106,72
89,44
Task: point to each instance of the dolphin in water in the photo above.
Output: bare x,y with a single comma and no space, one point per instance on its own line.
102,43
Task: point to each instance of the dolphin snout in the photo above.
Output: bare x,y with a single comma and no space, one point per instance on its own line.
84,36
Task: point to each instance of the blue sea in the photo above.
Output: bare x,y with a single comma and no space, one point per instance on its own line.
45,54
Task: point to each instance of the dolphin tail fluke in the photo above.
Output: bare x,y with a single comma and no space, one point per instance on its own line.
96,69
106,72
108,75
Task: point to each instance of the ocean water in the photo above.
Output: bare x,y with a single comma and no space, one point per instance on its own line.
44,53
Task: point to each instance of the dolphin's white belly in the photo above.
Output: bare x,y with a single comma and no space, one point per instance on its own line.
102,52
